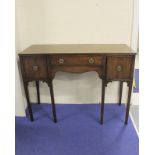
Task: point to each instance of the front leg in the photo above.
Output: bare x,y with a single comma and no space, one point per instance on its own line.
120,92
128,102
102,101
50,84
38,91
28,100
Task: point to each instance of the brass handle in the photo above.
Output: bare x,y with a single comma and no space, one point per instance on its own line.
91,60
119,68
35,68
61,61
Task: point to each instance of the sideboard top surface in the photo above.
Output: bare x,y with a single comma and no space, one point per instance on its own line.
78,49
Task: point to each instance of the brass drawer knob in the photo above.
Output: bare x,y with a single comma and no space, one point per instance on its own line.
91,60
119,68
35,68
61,61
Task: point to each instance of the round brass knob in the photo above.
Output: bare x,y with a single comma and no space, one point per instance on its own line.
119,68
91,60
61,61
35,68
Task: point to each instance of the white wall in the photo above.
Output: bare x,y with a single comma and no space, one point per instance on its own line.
73,21
135,26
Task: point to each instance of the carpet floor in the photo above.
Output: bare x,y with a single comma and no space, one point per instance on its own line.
77,132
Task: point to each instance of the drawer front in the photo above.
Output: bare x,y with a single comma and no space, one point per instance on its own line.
76,60
119,67
34,67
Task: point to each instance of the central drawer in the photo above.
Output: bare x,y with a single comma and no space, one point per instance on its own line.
76,60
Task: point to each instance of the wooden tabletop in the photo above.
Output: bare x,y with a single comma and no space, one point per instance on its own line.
77,48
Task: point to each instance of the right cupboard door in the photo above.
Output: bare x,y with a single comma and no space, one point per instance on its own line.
119,67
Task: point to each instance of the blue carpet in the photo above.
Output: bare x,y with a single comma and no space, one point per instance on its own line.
77,132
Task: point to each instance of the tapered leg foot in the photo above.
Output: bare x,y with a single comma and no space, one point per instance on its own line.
31,118
101,121
55,120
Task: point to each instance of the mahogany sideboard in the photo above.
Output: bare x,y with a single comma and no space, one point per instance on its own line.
112,62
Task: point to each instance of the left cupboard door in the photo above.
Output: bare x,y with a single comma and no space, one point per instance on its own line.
34,67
